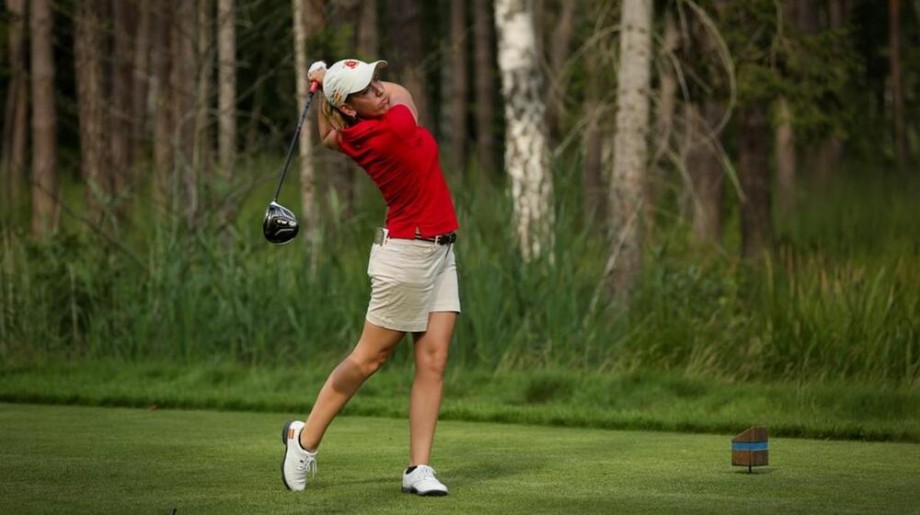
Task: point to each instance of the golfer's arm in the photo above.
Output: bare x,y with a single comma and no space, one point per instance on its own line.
327,132
401,95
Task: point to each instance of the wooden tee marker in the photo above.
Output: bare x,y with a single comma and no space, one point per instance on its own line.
749,448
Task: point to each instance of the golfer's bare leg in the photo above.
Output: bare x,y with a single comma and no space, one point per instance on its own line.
373,349
425,399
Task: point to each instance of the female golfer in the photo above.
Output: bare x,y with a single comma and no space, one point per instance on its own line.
412,269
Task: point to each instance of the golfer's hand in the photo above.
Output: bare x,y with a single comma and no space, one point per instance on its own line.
317,72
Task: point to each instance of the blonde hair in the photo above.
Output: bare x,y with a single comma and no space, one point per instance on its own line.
335,117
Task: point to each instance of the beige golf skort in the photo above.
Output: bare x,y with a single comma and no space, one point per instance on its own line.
409,280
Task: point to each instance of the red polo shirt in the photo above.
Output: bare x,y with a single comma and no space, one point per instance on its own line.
402,159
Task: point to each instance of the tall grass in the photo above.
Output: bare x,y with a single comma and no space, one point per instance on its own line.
840,300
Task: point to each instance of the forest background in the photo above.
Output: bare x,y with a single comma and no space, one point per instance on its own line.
708,190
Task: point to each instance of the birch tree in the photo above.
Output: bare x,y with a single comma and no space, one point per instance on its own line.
526,152
630,148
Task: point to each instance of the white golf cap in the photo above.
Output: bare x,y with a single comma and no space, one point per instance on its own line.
346,77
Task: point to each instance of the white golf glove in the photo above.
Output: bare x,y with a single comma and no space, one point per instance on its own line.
316,74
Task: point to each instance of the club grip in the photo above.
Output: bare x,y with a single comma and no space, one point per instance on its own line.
314,86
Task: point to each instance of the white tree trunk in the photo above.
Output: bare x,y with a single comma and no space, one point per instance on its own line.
630,148
309,208
526,152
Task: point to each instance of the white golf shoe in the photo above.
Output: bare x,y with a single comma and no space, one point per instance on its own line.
297,461
421,481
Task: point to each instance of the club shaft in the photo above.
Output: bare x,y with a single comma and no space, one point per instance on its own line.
290,152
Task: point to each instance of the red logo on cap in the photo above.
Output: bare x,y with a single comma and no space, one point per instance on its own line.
351,63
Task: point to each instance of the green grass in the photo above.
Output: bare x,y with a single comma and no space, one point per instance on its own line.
114,460
640,400
837,303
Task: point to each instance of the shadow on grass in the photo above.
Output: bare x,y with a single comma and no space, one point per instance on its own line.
490,470
755,472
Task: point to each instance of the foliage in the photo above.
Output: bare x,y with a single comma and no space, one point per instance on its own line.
819,70
835,304
774,59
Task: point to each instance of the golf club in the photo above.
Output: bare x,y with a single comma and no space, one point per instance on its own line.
279,225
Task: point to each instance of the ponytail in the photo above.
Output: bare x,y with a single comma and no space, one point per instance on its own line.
335,117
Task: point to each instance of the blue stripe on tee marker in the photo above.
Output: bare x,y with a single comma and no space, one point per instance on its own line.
749,446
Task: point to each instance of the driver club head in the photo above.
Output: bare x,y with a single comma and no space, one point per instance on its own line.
279,224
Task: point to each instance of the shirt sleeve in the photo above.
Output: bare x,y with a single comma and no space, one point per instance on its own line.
402,121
